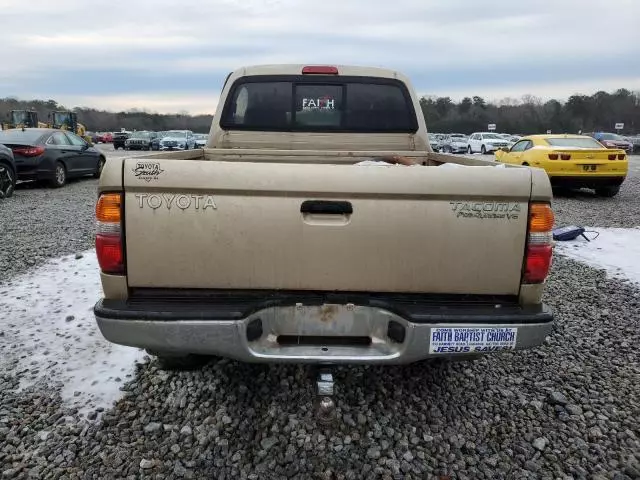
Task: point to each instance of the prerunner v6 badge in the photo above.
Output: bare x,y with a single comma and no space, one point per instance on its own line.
470,340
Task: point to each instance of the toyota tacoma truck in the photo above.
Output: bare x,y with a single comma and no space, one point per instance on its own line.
294,235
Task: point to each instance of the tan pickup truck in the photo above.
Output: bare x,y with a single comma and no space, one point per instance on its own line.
286,239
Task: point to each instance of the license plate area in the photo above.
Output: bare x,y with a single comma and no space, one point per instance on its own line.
589,168
321,341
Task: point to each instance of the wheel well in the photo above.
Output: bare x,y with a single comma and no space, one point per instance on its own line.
8,164
526,164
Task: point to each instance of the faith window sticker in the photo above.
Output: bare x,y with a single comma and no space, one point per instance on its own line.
326,102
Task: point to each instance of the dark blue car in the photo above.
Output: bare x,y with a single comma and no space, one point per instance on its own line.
52,155
7,172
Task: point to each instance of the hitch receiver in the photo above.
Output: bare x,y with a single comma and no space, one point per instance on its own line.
325,405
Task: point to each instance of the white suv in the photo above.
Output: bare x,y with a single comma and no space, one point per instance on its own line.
485,142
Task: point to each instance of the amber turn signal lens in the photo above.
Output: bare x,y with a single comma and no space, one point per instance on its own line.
541,217
108,207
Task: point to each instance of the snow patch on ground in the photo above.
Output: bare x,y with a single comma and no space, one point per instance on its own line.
50,335
616,250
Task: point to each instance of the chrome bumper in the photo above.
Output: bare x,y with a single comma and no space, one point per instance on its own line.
319,334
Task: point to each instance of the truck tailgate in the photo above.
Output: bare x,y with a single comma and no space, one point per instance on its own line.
241,225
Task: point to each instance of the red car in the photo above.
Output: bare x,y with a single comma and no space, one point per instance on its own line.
106,137
612,140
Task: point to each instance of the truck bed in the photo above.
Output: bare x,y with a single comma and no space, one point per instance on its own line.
318,156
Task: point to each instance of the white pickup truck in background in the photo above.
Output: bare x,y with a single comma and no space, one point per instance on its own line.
275,243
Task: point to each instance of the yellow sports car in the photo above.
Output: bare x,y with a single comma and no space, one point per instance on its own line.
571,161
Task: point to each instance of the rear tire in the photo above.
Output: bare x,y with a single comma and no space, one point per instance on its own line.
609,191
561,191
179,362
483,150
59,176
7,181
101,163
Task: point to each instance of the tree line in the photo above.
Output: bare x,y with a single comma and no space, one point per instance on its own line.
104,121
529,114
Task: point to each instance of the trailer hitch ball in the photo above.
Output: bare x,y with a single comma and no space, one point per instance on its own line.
326,411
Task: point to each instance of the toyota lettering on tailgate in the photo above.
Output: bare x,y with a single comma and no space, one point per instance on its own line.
183,202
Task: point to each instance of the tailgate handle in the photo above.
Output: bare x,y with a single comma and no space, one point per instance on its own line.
327,207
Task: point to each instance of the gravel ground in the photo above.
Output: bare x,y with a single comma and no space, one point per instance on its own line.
48,222
568,409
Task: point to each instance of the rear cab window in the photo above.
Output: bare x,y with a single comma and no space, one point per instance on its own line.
312,104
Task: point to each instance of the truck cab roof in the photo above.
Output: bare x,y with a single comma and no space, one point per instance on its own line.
297,69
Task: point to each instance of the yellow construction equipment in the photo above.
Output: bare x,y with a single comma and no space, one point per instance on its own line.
65,120
23,119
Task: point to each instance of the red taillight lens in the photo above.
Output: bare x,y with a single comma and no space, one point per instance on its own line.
320,69
109,252
28,151
538,263
539,251
621,156
565,156
553,156
612,156
109,235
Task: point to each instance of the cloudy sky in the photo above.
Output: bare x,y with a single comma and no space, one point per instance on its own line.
170,56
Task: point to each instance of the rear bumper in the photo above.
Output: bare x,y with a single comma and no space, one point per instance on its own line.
325,333
586,180
34,169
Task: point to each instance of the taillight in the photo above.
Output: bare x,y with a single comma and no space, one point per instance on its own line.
553,156
621,156
28,151
612,156
320,69
565,156
539,252
109,233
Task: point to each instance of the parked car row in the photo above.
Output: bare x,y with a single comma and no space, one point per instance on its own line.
490,142
477,142
150,140
45,154
169,140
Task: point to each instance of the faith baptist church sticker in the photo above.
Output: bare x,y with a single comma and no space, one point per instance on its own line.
472,340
